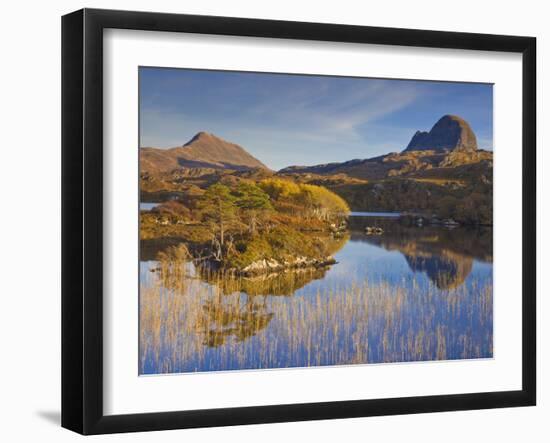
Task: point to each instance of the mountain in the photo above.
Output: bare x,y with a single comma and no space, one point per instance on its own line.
204,150
441,172
451,143
450,133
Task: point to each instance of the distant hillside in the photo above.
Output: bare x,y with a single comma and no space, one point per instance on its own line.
406,164
450,143
204,150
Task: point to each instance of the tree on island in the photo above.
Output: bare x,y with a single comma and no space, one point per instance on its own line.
219,209
253,202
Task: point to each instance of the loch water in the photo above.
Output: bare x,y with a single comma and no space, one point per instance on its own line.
413,293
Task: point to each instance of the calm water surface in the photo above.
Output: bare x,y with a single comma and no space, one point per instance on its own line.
410,294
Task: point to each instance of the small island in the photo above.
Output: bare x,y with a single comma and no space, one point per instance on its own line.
248,227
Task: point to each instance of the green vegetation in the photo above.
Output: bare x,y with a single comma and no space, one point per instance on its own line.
237,222
219,209
254,204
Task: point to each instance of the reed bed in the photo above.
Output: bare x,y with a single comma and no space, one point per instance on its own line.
191,325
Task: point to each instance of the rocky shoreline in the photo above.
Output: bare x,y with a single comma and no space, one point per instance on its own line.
271,265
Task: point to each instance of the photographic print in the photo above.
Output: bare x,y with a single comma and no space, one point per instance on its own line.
304,220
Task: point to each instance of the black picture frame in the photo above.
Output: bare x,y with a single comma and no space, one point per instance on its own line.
82,218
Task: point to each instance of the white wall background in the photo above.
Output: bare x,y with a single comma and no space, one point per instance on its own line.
30,220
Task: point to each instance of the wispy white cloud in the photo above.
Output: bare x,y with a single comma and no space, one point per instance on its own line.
301,119
286,120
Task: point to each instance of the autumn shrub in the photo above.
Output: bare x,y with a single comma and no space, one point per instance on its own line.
310,200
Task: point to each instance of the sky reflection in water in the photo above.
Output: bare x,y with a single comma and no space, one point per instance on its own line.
409,295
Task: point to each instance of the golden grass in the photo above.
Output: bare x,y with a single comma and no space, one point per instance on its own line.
195,327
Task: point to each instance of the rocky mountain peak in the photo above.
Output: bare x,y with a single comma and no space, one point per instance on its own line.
202,136
450,133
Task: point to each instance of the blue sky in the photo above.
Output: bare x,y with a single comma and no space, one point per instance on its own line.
303,120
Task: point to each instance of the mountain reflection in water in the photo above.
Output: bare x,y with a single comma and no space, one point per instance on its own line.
411,294
445,255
